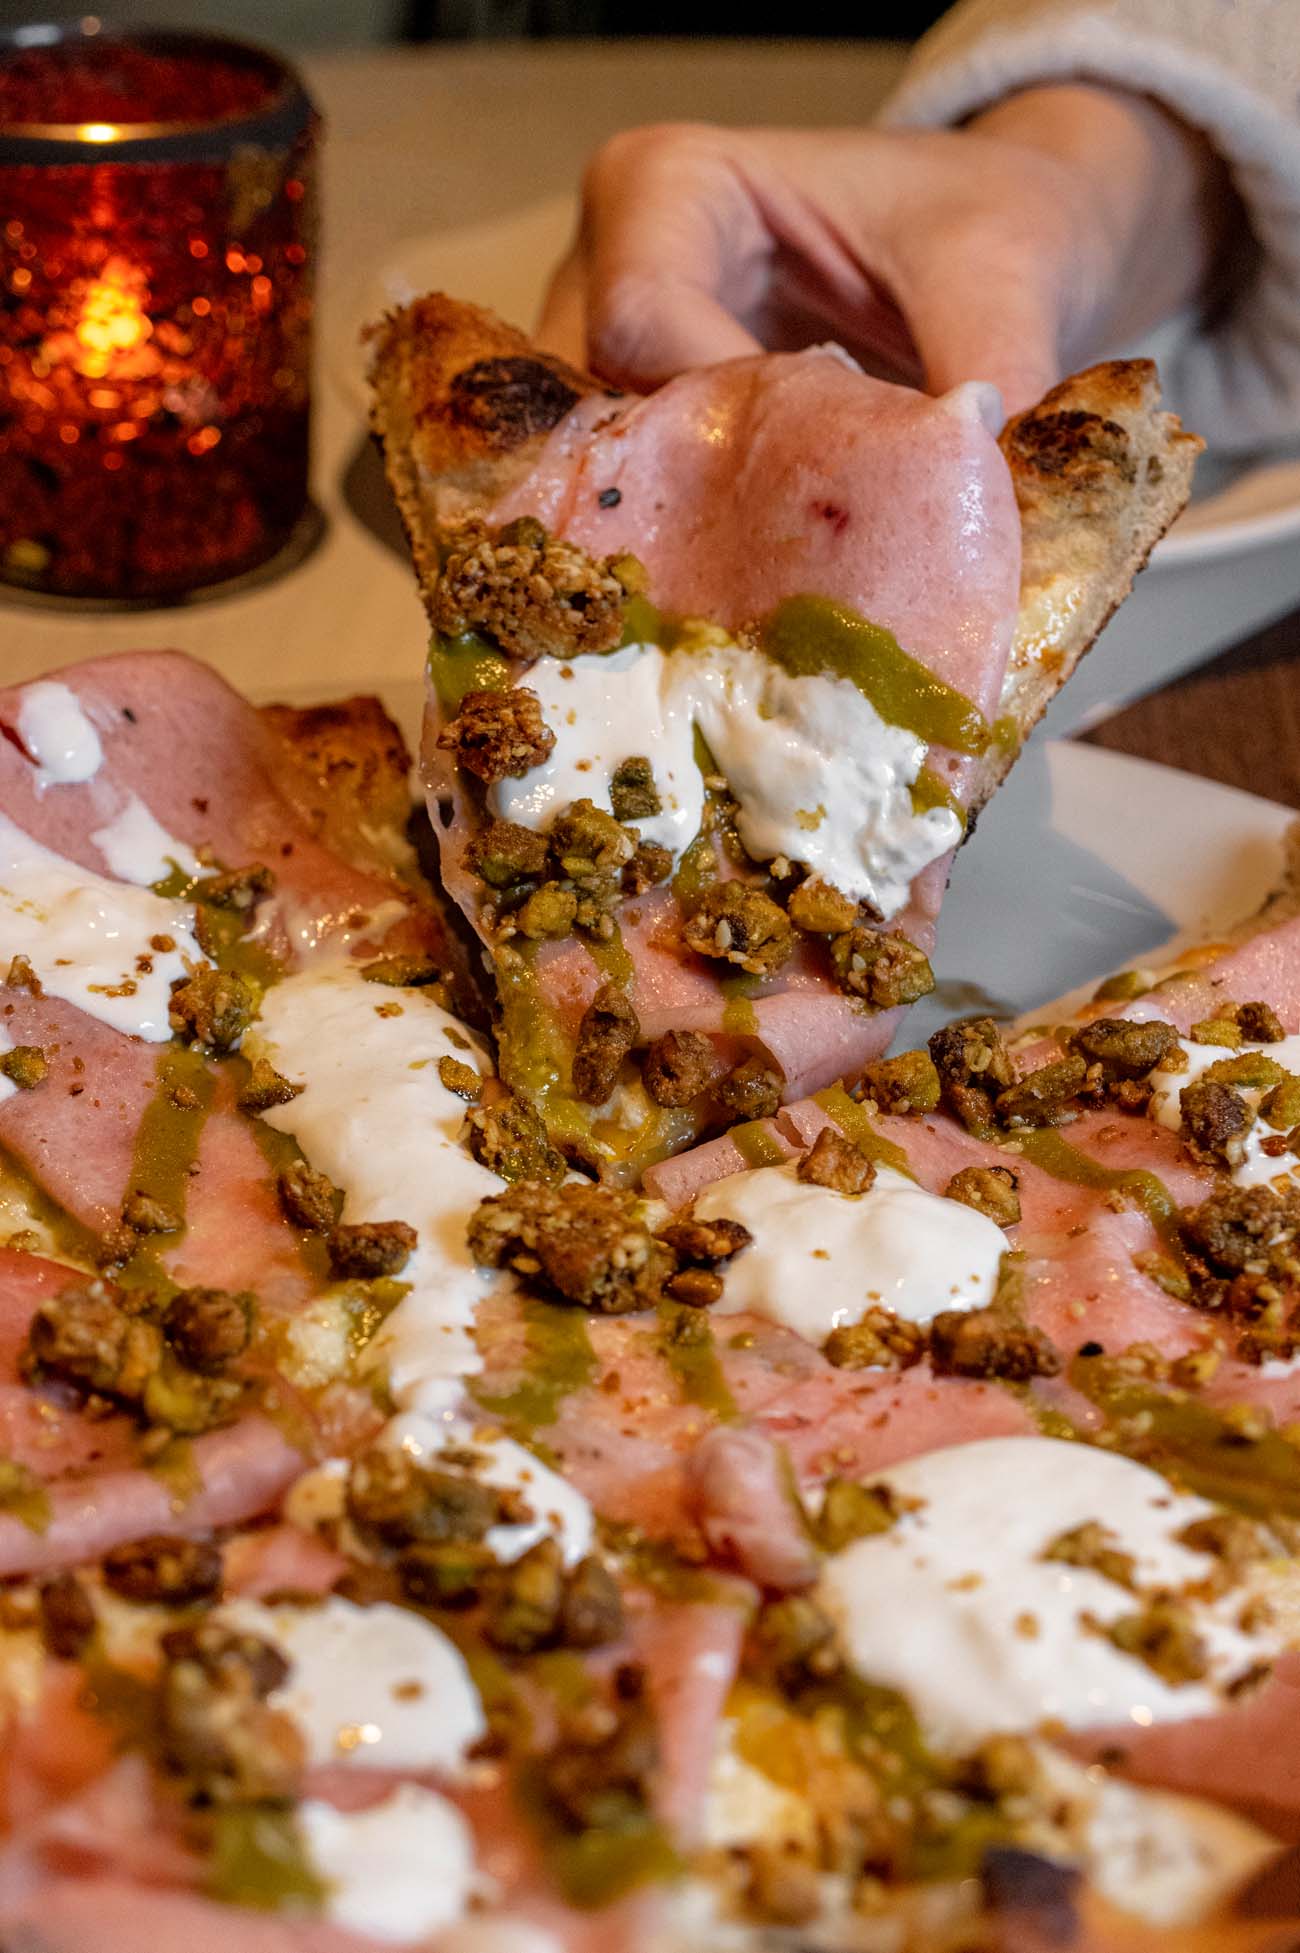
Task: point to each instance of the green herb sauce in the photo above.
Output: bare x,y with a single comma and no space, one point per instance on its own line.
757,1144
24,1496
1047,1150
855,1123
686,1345
812,635
1194,1444
559,1361
258,1859
166,1147
739,1017
465,664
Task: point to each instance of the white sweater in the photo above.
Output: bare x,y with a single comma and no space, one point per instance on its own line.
1230,68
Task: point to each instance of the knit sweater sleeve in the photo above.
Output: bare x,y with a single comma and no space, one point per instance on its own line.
1230,68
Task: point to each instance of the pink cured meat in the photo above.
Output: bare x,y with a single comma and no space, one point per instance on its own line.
258,1250
1248,1756
240,1472
691,1652
738,486
764,478
1266,966
113,1915
75,1132
180,738
626,1440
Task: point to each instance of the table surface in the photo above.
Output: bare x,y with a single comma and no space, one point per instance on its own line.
419,141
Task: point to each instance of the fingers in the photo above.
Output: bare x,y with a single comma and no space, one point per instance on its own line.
671,252
562,322
978,311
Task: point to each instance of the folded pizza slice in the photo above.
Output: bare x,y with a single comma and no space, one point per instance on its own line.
719,679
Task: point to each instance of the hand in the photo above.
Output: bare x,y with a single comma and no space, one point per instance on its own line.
1062,221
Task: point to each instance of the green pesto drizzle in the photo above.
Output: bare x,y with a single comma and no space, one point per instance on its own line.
23,1496
811,635
697,870
534,1055
67,1236
596,1866
612,958
223,933
259,1859
559,1361
166,1146
757,1144
687,1347
738,1014
1194,1444
644,624
464,664
281,1150
855,1124
1046,1149
929,790
175,1467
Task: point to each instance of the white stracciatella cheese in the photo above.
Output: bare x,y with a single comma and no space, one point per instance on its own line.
111,949
396,1871
137,848
558,1510
53,726
373,1687
376,1117
1000,1637
444,1424
818,776
1256,1167
820,1259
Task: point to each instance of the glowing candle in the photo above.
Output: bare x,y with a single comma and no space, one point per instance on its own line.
156,240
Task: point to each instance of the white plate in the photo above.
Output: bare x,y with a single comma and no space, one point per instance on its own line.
1080,865
1238,505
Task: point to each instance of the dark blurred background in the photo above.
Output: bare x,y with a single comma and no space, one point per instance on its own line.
294,24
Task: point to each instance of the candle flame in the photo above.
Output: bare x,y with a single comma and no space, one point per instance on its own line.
112,322
98,131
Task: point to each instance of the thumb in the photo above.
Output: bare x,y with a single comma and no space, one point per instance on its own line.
982,314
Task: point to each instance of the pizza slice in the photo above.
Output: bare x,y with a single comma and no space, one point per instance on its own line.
875,1533
720,678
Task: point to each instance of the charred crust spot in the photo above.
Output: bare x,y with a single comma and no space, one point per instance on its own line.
508,400
1073,444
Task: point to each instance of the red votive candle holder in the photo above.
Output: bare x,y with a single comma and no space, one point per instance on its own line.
157,235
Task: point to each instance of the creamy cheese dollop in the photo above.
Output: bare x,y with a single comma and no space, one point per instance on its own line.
138,848
1256,1166
559,1510
53,726
376,1117
818,775
376,1687
956,1607
821,1259
397,1871
92,941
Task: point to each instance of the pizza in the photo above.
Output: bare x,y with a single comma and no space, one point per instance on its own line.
463,1489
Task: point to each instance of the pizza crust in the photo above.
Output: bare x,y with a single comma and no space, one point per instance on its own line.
1100,473
462,404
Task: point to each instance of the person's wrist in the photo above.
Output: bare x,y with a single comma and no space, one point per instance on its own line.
1151,192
